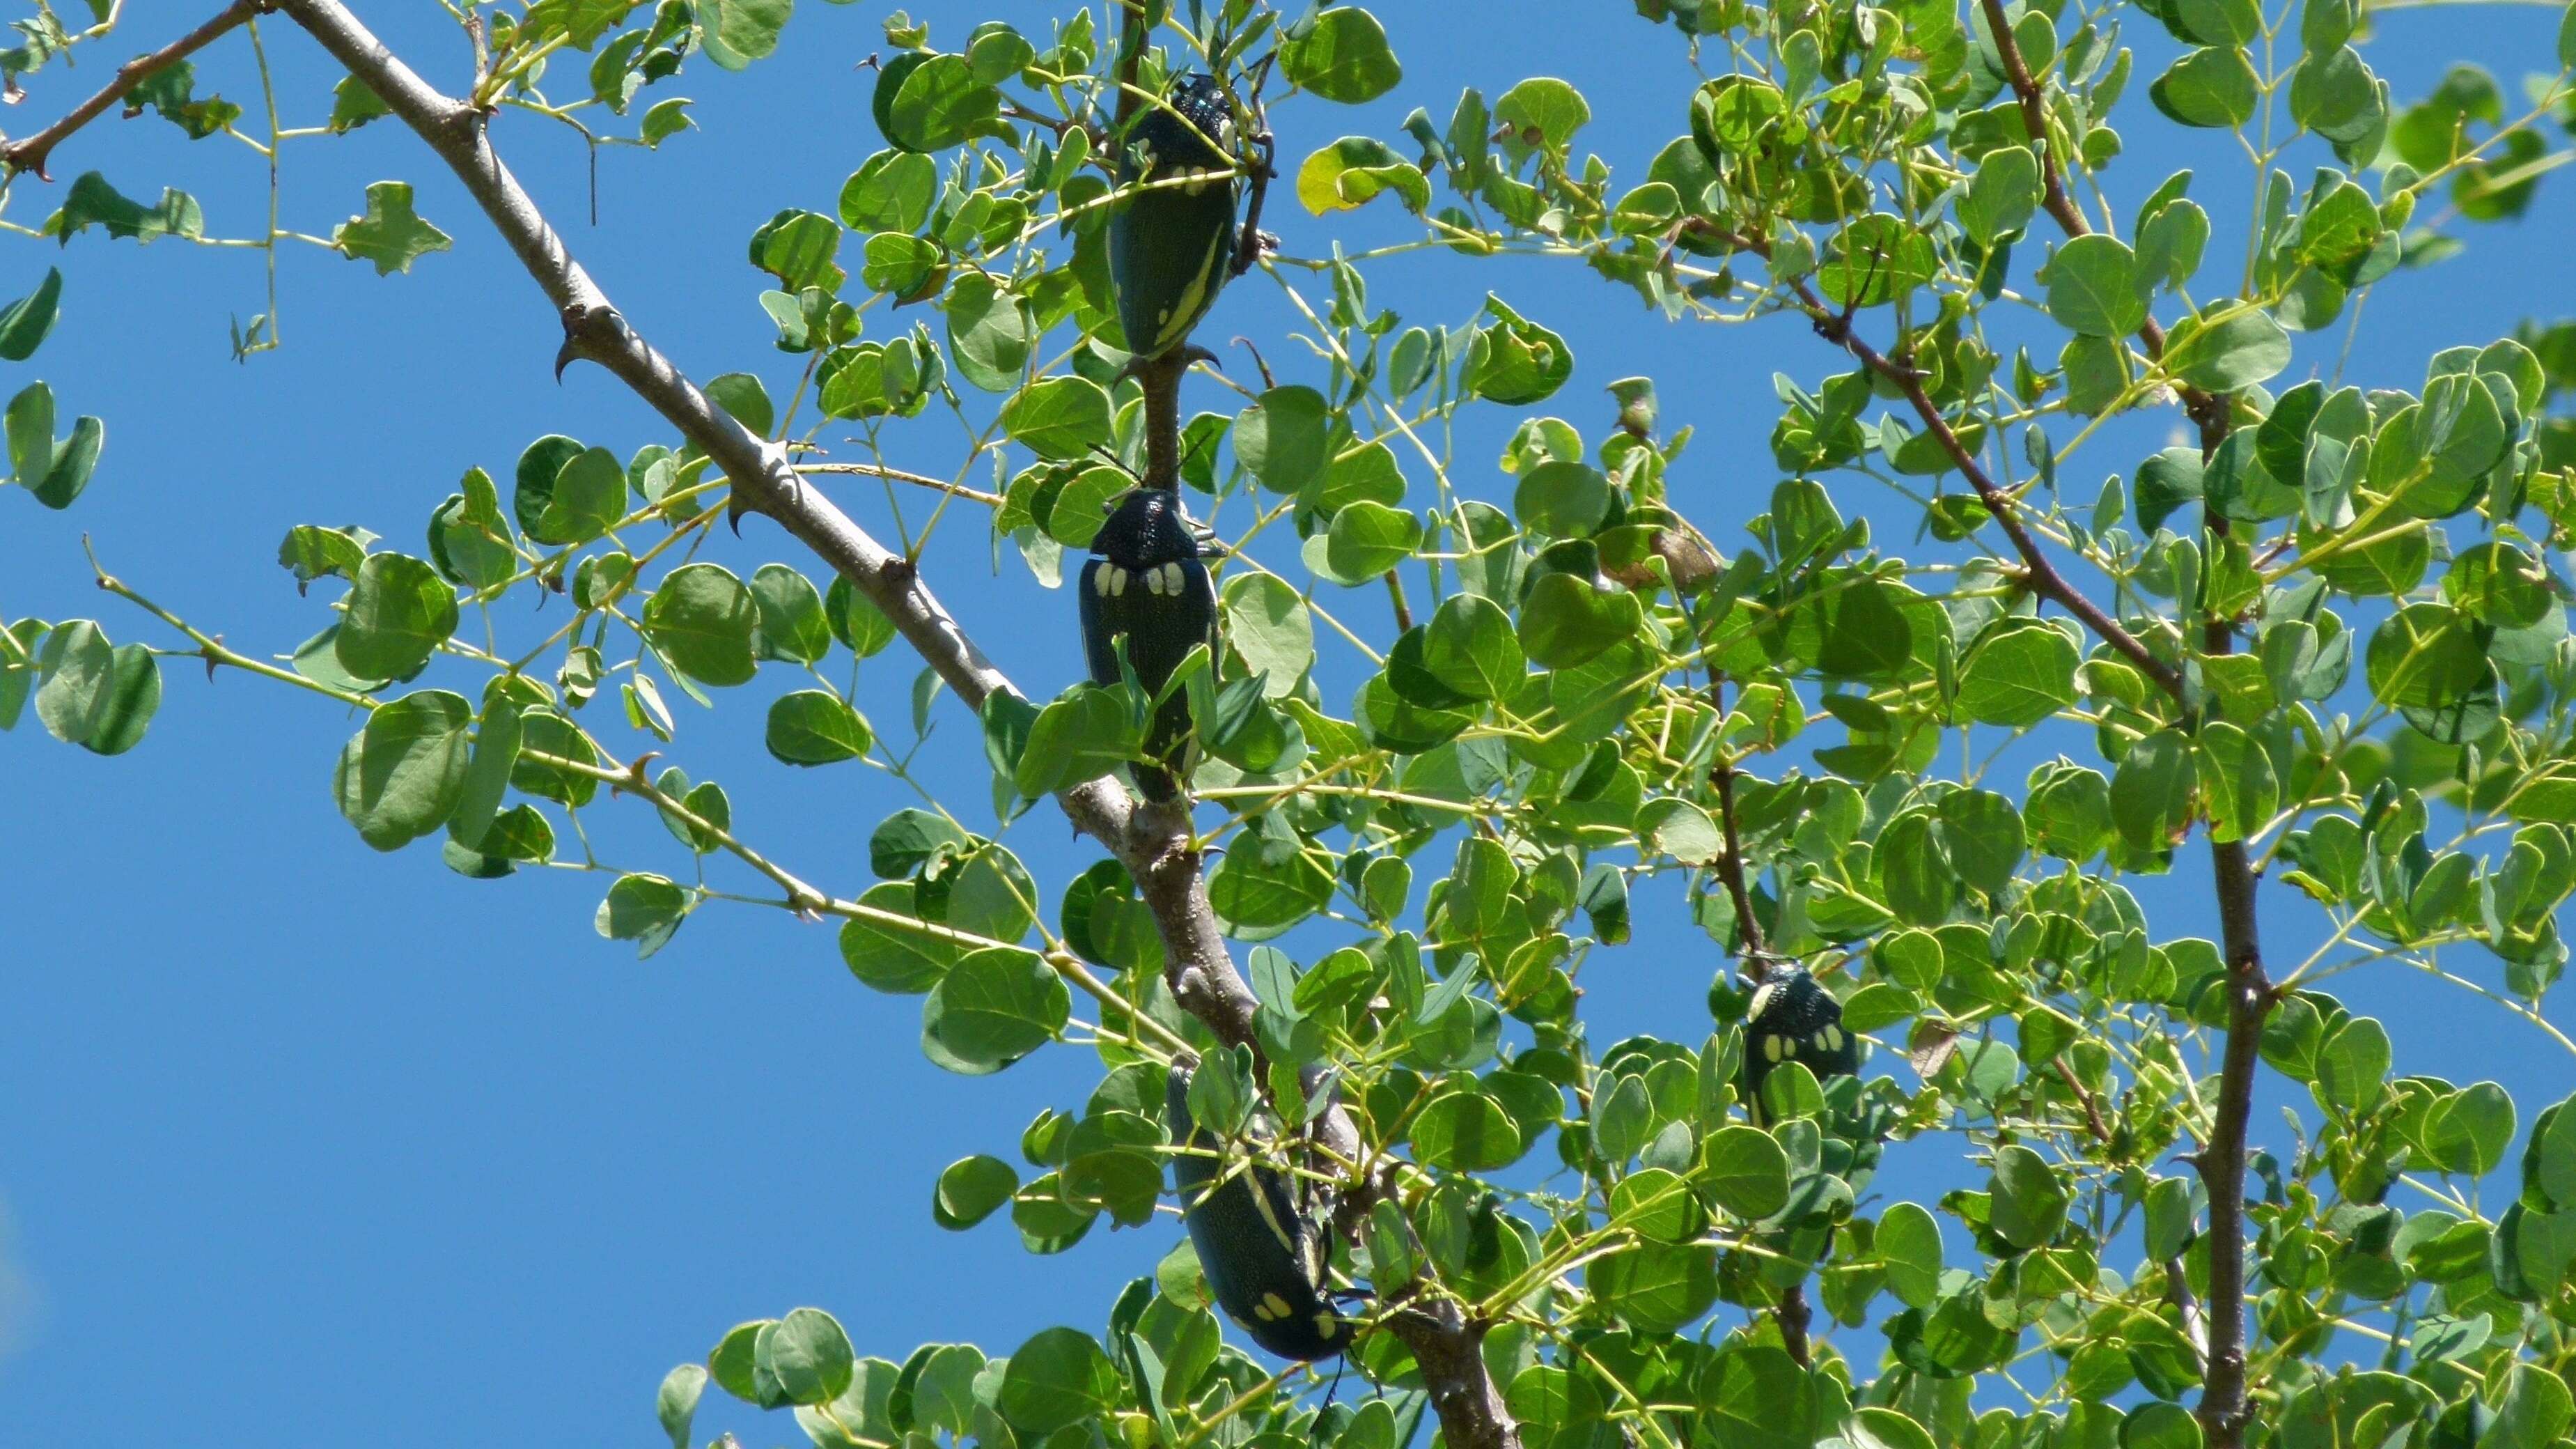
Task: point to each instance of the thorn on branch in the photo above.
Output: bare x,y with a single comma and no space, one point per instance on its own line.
590,331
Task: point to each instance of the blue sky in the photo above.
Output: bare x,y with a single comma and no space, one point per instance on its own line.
298,1140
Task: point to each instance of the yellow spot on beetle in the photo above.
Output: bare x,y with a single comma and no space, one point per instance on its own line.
1277,1306
1831,1038
1774,1047
1326,1325
1762,999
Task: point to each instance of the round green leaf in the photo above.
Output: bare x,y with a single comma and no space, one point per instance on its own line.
1366,539
1565,499
1343,56
1656,1287
1466,1131
816,727
1282,436
399,612
1058,417
401,776
971,1190
2093,287
702,620
807,1355
1745,1172
887,953
1058,1377
1567,620
995,1007
1471,648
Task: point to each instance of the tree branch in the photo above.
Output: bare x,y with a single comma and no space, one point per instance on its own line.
32,153
2038,570
2207,409
1156,844
2223,1408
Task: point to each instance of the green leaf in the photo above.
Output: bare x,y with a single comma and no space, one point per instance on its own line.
971,1190
354,105
1756,1397
92,202
2021,672
663,120
1564,499
738,32
888,954
99,697
403,774
55,471
2160,1426
2239,349
1466,1131
25,323
2427,657
1269,625
2236,774
2093,287
1566,621
2213,87
2002,196
807,1355
2534,1413
1656,1287
2152,790
1541,114
390,234
2352,1066
933,102
2029,1203
792,622
989,332
994,1007
1058,1377
399,612
1356,170
1343,56
1909,1238
702,620
1367,539
1282,437
1981,837
487,779
1086,734
816,727
2470,1130
1514,361
1058,417
1470,647
588,498
677,1403
644,909
1745,1172
892,191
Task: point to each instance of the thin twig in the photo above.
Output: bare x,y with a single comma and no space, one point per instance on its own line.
32,153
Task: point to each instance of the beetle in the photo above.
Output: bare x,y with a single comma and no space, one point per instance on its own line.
1258,1241
1172,247
1145,583
1794,1019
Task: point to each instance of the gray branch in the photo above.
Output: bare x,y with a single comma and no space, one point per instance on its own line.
1155,844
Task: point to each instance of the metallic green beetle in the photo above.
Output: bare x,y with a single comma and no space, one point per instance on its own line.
1261,1247
1172,247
